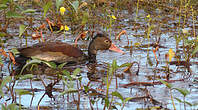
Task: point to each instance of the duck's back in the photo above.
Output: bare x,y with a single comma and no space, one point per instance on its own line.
54,51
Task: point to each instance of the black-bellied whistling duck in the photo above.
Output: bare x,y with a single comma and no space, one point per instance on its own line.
62,52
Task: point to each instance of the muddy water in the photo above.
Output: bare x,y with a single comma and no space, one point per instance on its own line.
144,96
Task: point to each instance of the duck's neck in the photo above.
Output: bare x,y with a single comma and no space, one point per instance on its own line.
92,53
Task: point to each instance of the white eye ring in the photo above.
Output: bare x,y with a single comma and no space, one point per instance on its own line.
106,41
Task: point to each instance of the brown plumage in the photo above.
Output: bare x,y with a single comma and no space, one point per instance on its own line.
62,52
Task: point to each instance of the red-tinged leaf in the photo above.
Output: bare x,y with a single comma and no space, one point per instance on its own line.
121,33
12,58
3,53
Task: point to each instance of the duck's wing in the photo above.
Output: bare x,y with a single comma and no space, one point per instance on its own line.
53,51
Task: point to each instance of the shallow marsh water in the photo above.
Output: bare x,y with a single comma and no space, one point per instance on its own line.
164,26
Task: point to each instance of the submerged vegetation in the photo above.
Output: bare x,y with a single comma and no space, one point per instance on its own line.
159,39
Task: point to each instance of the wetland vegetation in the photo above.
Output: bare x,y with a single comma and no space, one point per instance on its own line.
158,70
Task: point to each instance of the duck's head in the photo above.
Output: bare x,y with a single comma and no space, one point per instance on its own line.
101,42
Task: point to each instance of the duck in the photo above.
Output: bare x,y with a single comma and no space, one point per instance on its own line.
61,52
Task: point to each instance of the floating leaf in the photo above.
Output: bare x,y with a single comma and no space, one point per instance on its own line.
11,14
46,7
165,83
117,94
22,29
29,11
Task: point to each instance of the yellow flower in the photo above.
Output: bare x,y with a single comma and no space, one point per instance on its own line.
62,10
185,31
148,16
61,28
66,28
171,54
113,17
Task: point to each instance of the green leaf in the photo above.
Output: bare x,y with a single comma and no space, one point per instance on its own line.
58,4
6,80
27,76
86,88
75,5
29,11
165,83
106,102
46,7
114,65
3,6
11,14
195,104
76,71
190,104
61,65
178,100
15,51
12,107
3,107
22,29
1,61
29,63
23,92
117,103
117,94
195,50
125,65
2,34
50,64
66,73
127,99
85,18
4,1
184,92
150,62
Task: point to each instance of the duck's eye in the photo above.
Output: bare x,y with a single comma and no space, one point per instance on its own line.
107,41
